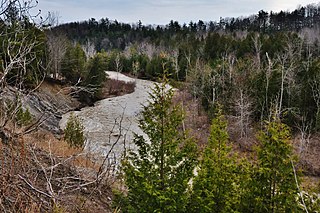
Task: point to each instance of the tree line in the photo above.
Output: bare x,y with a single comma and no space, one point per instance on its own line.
109,34
249,74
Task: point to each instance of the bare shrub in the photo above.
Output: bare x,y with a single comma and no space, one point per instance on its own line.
116,88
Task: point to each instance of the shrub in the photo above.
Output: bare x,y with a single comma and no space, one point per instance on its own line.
73,133
23,117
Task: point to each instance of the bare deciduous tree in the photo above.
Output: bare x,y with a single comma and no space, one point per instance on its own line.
174,58
89,49
118,63
288,64
57,46
243,110
257,49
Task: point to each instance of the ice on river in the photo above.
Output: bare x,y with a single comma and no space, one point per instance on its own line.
113,119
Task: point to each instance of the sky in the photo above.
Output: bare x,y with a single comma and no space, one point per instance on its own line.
162,11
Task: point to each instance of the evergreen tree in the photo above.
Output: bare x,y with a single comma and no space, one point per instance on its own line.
73,133
274,183
216,187
73,64
96,75
22,54
158,173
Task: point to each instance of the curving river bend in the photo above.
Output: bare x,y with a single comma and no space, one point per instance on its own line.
112,122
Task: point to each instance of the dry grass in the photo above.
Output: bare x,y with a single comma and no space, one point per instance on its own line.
309,161
196,121
42,174
47,142
198,124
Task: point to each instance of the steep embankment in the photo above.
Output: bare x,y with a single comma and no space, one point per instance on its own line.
47,104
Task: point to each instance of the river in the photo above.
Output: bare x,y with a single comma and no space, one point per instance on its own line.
109,125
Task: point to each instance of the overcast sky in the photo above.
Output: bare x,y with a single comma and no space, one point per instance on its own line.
162,11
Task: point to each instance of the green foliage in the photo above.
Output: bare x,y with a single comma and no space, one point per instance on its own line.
118,62
73,64
23,117
96,75
311,202
73,133
158,172
13,109
22,54
217,45
139,63
274,186
216,187
156,65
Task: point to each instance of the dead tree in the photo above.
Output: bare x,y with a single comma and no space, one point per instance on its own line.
57,46
243,109
89,49
257,50
287,66
118,63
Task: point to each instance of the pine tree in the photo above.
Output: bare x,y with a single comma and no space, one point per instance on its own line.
216,187
274,181
73,133
158,173
96,75
73,64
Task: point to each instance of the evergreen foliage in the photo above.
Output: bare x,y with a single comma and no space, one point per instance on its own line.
73,133
23,117
274,186
110,34
158,172
156,64
22,53
216,187
73,64
268,56
96,75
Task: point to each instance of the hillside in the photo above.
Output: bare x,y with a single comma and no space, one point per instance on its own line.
106,34
237,130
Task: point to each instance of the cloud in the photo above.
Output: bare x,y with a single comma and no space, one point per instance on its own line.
162,11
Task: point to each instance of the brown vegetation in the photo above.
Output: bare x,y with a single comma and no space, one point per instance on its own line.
113,87
42,174
196,120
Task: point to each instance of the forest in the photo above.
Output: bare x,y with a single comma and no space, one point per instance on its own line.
268,60
255,78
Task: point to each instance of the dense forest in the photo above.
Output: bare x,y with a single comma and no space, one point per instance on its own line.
109,34
262,71
251,65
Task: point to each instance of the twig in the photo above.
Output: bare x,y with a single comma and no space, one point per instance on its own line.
33,188
300,193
